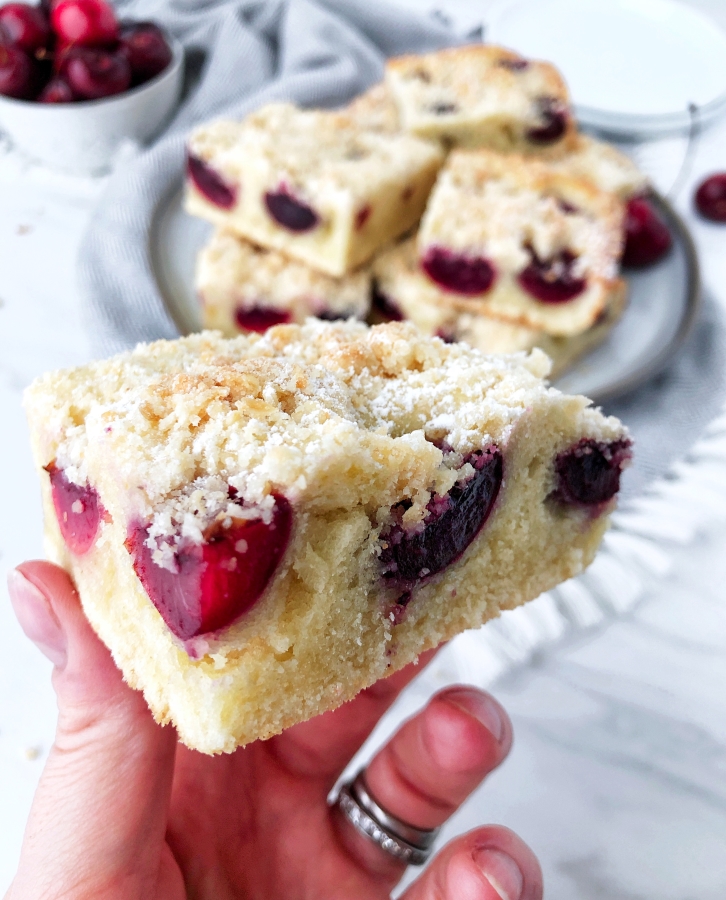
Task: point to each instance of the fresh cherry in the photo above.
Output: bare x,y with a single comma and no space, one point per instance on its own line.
647,238
552,280
260,318
383,304
18,73
90,23
452,524
711,197
56,91
145,47
457,272
217,581
93,74
290,212
25,26
210,183
77,509
553,117
588,474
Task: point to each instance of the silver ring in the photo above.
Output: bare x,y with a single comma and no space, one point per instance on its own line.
406,843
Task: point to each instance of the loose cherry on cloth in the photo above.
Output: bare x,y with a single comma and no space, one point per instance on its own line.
144,817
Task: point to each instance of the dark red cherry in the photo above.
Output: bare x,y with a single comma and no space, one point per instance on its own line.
145,47
217,581
89,23
18,73
553,117
56,91
77,509
210,183
452,524
457,272
383,304
552,280
260,318
93,74
711,197
290,212
25,26
647,238
588,474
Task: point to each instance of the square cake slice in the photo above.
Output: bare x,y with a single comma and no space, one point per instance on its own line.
402,291
483,96
243,287
515,238
311,183
604,166
261,527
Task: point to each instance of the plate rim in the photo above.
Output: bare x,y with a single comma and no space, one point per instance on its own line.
625,385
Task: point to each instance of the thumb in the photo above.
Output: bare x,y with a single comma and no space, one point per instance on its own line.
99,814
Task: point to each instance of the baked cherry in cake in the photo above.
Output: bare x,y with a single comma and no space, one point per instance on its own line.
458,272
210,585
259,318
589,473
552,116
647,237
552,280
452,523
210,183
711,197
291,212
78,510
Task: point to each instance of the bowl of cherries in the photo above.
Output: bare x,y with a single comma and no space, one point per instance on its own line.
76,83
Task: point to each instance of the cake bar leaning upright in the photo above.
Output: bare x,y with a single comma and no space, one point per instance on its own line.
311,183
261,527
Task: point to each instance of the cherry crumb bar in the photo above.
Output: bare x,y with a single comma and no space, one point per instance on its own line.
483,96
517,239
242,287
261,527
311,183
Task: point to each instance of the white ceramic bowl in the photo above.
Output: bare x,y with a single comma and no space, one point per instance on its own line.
84,138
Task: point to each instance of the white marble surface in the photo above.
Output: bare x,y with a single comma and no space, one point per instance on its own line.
618,776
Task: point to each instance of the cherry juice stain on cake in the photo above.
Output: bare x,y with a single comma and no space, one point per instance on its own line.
260,318
552,280
647,238
553,118
453,522
77,508
711,197
217,581
588,474
457,272
289,211
210,183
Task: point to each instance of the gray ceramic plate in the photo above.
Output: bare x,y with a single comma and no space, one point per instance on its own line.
662,307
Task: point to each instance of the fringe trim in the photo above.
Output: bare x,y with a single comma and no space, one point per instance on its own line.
638,547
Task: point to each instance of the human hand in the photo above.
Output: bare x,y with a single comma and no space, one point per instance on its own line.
124,812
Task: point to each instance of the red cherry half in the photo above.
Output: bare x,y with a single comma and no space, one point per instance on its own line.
552,280
459,272
260,318
711,197
90,23
77,508
25,26
210,183
647,238
588,474
217,581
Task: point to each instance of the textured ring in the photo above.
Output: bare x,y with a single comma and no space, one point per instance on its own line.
399,839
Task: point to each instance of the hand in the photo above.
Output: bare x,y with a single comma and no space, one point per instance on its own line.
124,812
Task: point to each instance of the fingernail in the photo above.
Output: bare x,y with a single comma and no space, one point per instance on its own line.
481,706
501,871
37,618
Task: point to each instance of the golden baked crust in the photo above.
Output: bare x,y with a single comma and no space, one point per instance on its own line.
375,110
